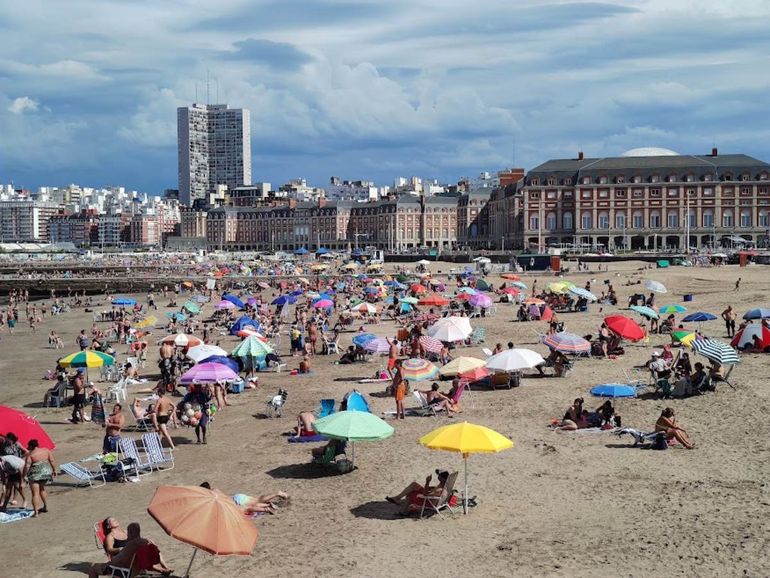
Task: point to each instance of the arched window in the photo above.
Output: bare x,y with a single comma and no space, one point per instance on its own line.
672,219
745,218
586,222
727,218
567,220
638,222
604,220
550,221
655,220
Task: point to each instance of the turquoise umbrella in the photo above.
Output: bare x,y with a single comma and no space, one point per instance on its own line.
672,309
645,311
353,426
250,349
191,307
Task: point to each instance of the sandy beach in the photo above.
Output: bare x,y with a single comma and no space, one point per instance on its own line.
557,504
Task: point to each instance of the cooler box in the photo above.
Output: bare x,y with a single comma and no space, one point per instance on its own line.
688,297
236,387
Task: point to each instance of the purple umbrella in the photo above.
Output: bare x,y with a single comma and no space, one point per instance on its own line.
323,304
225,305
377,345
480,300
209,373
252,301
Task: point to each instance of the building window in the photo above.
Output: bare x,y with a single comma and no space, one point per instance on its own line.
654,192
673,192
707,177
568,181
567,220
745,190
692,219
763,220
762,190
745,177
673,220
604,221
708,192
604,193
620,179
567,194
637,179
620,193
551,181
655,220
535,182
586,194
534,222
654,178
727,219
620,220
671,178
551,195
535,195
638,193
708,219
745,219
603,180
550,221
638,222
586,221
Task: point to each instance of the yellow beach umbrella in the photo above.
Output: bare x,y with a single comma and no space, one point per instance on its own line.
303,280
466,438
350,266
688,339
148,321
461,365
560,286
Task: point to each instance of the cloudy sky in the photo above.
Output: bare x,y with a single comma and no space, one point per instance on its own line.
371,89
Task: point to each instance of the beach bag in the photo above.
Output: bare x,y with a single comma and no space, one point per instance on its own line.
660,442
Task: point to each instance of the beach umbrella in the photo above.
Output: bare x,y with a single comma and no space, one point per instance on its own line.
182,340
248,331
480,300
362,338
224,304
201,352
461,365
405,308
319,267
624,327
655,286
87,358
466,438
123,301
303,280
323,304
699,317
416,369
423,262
474,374
418,288
560,286
353,426
716,350
512,290
322,251
758,313
451,329
24,426
234,300
284,300
201,299
433,300
377,345
191,307
208,373
580,292
510,277
467,290
223,360
352,266
242,323
567,343
188,284
263,285
613,390
180,317
431,344
252,348
682,335
366,308
148,321
410,300
301,251
520,285
746,336
645,311
533,301
482,285
667,309
205,519
514,360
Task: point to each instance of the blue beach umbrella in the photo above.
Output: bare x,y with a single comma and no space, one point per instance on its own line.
123,301
180,317
243,321
301,251
699,317
234,300
284,300
758,313
613,390
322,251
363,339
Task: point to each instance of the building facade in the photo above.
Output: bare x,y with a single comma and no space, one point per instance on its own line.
24,221
646,202
214,148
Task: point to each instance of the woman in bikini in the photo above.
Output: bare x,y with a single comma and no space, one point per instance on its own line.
668,425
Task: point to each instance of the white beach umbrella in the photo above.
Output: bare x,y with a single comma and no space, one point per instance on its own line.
514,360
202,352
451,329
655,286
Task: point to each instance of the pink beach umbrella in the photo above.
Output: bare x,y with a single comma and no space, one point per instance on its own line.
209,372
431,344
224,304
377,345
323,304
480,300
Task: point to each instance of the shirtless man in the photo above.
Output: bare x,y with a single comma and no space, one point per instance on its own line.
114,423
163,409
166,352
729,316
78,397
392,356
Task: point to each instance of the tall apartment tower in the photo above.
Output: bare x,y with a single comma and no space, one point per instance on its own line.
214,148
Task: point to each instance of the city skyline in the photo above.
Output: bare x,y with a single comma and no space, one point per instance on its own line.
375,90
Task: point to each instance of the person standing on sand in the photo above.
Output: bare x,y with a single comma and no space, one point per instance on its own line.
114,424
729,316
399,393
161,415
738,285
392,355
78,397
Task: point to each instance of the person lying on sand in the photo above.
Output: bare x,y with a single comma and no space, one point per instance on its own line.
668,425
255,505
410,497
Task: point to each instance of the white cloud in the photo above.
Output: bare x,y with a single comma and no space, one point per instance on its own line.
23,104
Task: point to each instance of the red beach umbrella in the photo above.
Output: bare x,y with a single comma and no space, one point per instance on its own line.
624,327
24,426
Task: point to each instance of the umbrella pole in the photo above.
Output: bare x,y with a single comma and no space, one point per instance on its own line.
352,455
187,573
465,495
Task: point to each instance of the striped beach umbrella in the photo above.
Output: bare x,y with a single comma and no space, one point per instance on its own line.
567,343
87,359
580,292
418,369
182,340
252,347
431,344
758,313
716,351
746,336
672,309
655,286
377,345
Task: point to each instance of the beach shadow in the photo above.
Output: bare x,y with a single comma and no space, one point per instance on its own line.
305,471
623,446
82,567
376,510
380,394
37,404
351,378
180,441
260,416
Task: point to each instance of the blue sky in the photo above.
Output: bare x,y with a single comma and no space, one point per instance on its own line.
373,90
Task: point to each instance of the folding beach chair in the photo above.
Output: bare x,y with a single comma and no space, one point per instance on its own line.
157,456
424,409
435,504
331,451
143,560
83,476
127,448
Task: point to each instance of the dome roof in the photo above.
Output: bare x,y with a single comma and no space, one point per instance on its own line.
650,152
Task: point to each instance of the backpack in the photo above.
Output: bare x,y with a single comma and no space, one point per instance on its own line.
660,442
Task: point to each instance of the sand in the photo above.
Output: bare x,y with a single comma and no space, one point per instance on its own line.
554,505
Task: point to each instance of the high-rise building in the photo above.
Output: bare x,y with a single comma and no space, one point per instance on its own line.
214,148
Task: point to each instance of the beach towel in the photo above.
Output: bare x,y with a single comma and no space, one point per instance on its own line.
306,439
14,516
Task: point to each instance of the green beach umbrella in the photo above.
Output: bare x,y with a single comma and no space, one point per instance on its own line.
672,309
252,346
191,307
410,300
645,311
353,426
87,359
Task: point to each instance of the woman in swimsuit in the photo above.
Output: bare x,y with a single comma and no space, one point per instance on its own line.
39,469
667,424
115,537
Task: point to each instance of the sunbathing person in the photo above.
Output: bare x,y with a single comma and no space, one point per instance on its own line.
115,537
410,497
667,424
124,558
255,505
437,399
305,422
576,417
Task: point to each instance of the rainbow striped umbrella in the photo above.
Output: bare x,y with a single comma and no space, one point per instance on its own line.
567,343
87,359
418,369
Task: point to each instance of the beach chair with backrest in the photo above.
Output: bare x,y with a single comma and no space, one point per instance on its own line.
327,408
425,408
436,504
83,476
127,449
158,457
145,558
